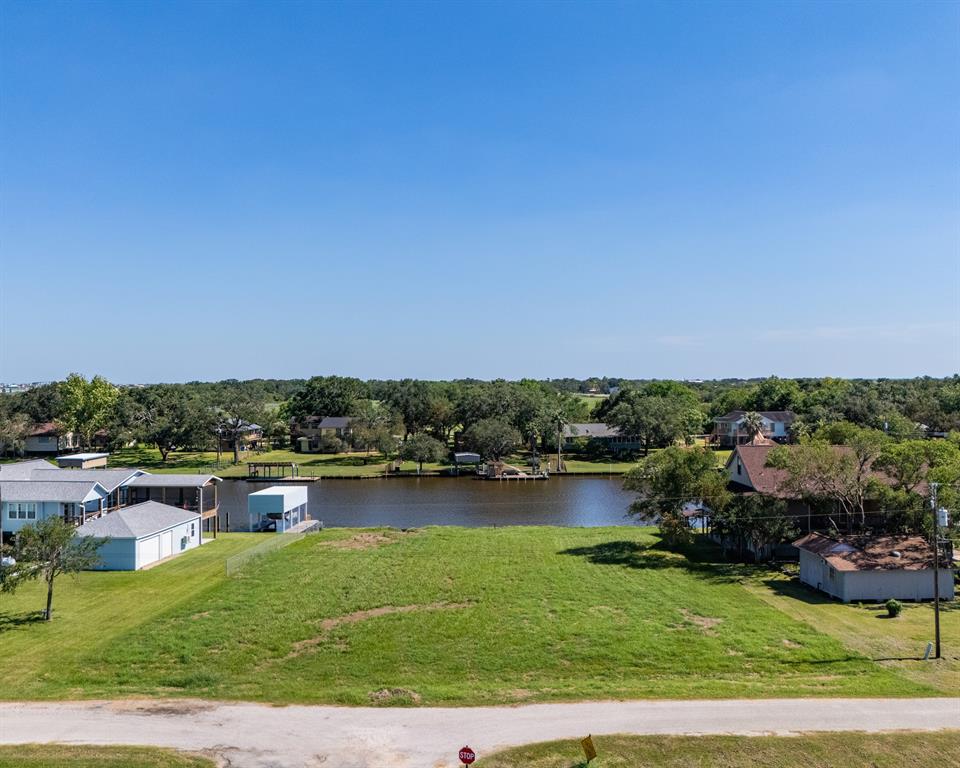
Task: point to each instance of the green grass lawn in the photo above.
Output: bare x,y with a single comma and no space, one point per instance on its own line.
95,609
73,756
436,616
812,750
897,643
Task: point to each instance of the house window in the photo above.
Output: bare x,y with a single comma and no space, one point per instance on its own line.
31,511
12,511
193,530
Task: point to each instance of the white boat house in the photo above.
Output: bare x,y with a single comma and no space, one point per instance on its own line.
277,507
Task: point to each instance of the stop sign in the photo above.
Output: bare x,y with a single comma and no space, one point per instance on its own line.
467,755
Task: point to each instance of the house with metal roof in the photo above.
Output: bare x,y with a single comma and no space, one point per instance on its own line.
142,535
872,567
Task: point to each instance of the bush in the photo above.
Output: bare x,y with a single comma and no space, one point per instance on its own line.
893,608
330,444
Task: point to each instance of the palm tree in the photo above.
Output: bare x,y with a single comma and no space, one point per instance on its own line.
752,424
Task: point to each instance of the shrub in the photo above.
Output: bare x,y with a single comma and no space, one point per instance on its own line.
893,608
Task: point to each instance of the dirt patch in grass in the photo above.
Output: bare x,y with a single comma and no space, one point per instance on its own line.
706,623
791,644
394,696
328,625
368,540
201,615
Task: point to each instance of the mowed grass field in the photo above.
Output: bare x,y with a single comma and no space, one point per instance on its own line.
813,750
71,756
435,616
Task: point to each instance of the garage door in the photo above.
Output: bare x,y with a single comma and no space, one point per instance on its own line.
148,551
166,544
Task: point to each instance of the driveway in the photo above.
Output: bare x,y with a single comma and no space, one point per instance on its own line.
260,736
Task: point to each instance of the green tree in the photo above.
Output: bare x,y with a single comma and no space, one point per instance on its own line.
45,550
422,448
492,438
14,428
844,475
236,411
754,522
326,396
170,418
86,406
670,478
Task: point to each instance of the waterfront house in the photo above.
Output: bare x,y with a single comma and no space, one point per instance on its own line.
579,435
728,430
196,493
34,490
308,435
872,568
143,534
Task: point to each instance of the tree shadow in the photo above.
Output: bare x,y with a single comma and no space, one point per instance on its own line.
797,590
9,621
696,558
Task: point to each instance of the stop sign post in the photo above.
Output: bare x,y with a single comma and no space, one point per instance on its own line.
467,755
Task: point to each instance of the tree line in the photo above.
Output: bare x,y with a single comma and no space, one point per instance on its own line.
495,417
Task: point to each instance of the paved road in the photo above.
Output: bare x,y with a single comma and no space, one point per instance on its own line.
259,736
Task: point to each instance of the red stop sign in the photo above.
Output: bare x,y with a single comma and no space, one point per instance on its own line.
467,755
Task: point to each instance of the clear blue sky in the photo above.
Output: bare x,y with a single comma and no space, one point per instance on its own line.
208,190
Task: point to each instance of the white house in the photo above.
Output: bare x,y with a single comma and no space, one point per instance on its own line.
872,568
143,534
23,502
728,429
281,507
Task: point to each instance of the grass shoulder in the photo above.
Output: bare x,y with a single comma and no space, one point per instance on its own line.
810,750
79,756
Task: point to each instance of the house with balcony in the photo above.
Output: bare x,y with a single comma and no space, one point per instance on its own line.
194,493
35,490
729,431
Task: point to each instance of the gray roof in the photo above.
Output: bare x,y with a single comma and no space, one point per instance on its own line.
594,429
23,470
173,481
45,490
108,478
137,521
334,422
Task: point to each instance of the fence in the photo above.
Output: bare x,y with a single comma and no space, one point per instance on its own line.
233,565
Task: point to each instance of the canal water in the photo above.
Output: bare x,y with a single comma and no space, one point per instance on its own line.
414,502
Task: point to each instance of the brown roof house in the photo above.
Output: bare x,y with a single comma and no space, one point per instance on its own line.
48,438
872,567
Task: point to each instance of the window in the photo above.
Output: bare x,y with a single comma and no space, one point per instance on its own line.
11,511
31,511
193,530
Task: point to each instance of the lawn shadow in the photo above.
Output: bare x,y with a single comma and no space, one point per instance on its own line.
797,590
9,621
697,558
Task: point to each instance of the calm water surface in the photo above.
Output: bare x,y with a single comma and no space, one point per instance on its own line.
414,502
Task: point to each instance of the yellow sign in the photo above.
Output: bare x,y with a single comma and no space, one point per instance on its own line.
588,749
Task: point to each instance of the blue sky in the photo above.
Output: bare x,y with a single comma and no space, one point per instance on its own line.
212,190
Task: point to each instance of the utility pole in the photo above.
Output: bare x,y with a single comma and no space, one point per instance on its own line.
936,566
